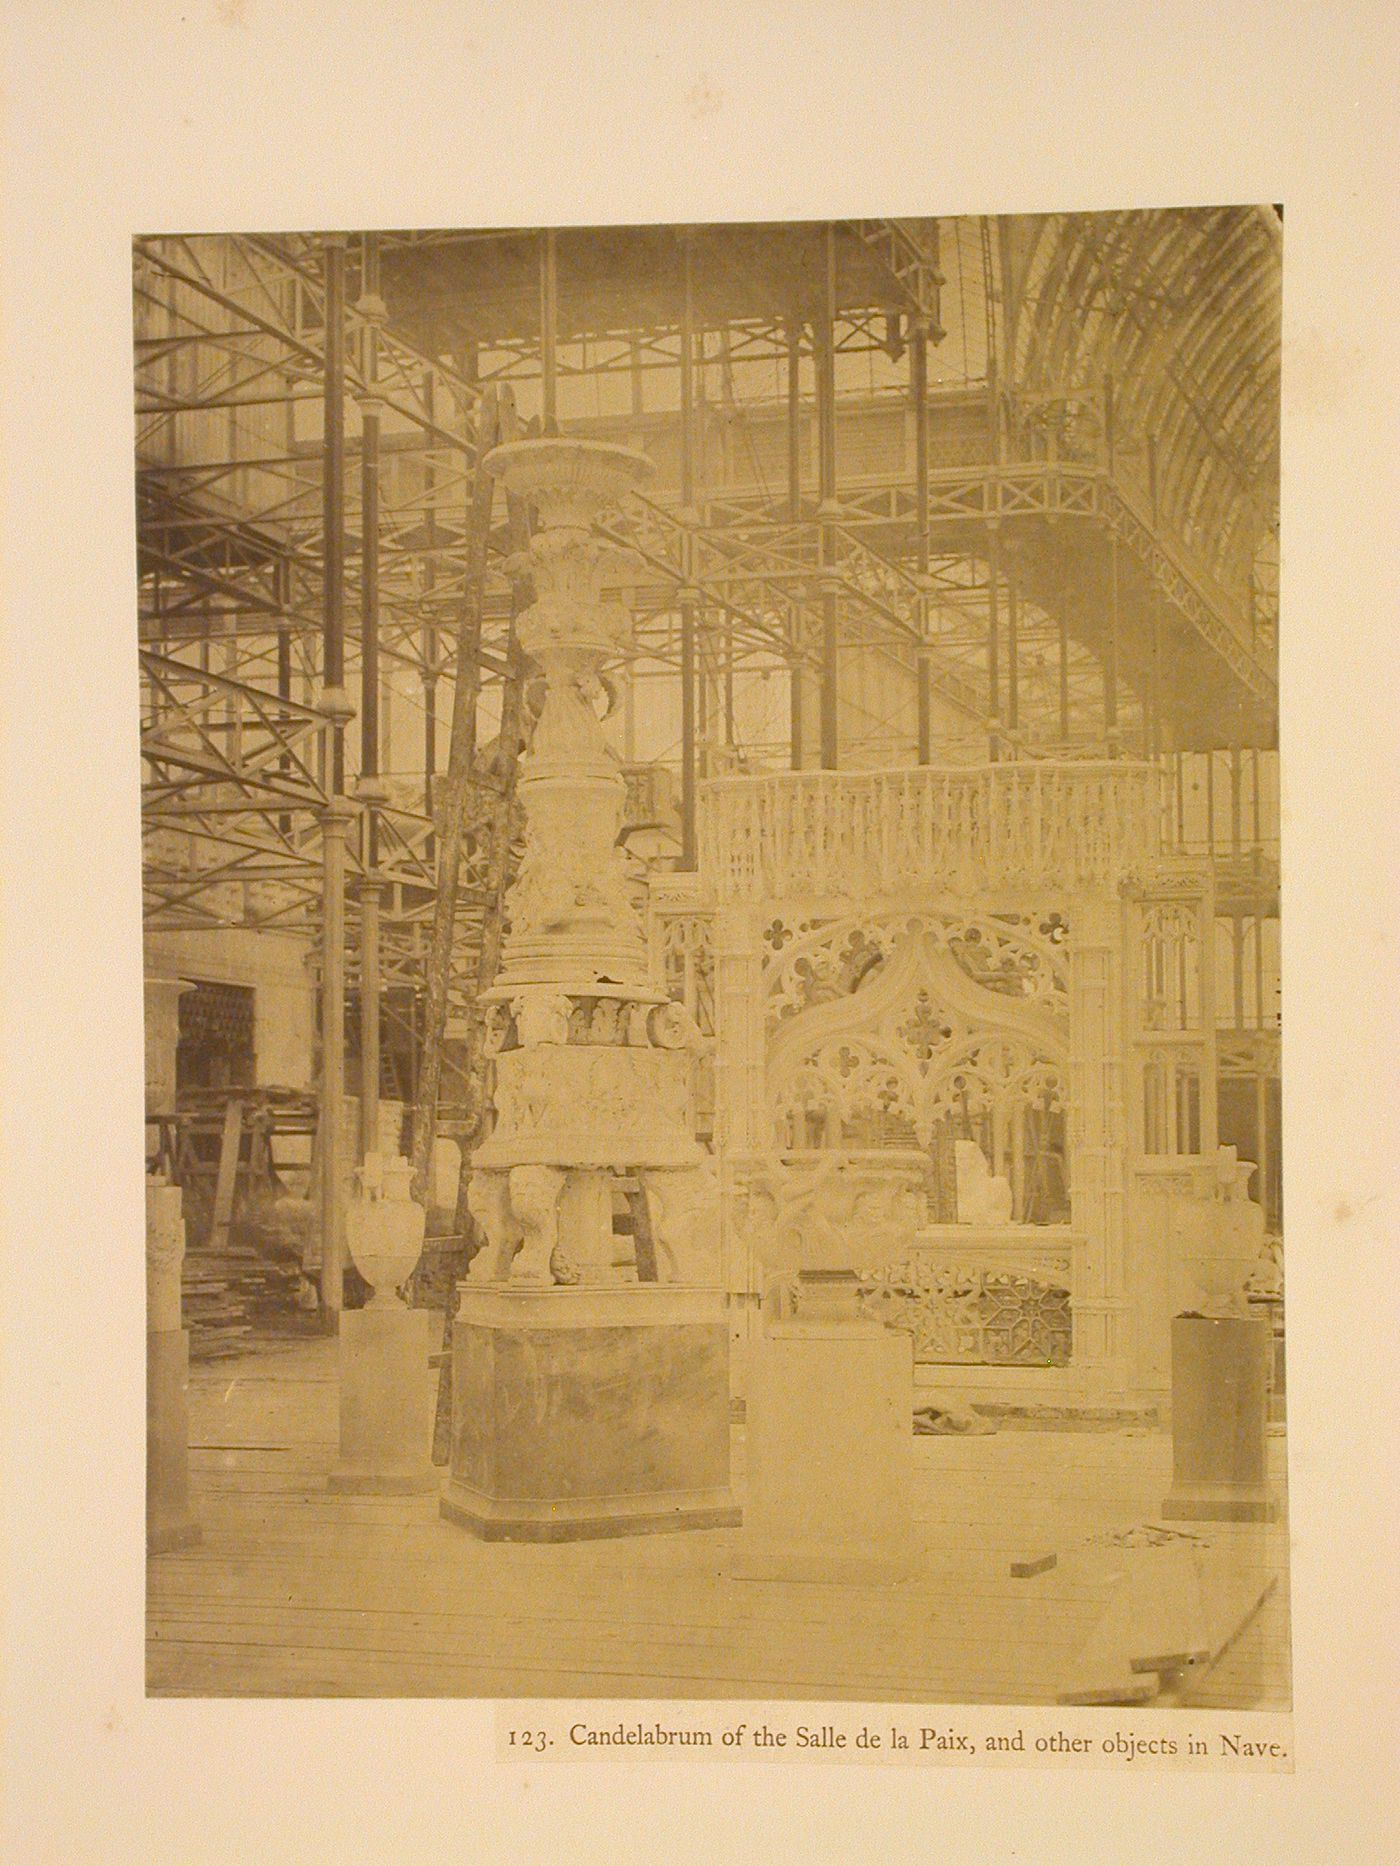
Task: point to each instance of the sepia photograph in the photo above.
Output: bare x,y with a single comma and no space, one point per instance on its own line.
657,839
710,869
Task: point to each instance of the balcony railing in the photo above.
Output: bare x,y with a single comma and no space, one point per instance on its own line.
855,835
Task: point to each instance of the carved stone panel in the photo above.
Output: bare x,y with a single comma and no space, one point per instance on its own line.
591,1105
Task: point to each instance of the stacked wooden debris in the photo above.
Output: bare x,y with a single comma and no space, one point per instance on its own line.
216,1313
230,1294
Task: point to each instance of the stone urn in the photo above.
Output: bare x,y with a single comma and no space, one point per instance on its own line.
384,1228
1217,1240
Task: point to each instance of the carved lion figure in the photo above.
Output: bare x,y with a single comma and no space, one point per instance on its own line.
534,1198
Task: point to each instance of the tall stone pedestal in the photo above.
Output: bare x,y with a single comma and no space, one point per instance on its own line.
1220,1389
169,1524
386,1412
580,1412
830,1455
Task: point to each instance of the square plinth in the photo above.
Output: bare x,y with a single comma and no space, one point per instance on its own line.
386,1402
830,1456
1220,1402
589,1412
169,1524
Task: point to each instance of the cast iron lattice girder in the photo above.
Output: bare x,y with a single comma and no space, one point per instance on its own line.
232,783
258,753
774,570
997,493
892,613
859,596
305,345
743,563
911,260
967,501
269,248
482,286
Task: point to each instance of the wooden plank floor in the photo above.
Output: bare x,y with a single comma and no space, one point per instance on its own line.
294,1592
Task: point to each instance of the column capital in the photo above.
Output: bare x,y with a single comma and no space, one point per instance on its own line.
336,705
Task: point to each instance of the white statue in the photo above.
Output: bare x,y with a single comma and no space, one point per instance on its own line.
637,1018
488,1201
984,1197
672,1027
495,1030
604,1027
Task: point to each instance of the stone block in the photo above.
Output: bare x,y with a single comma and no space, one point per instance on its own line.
169,1524
1220,1395
386,1411
589,1412
830,1455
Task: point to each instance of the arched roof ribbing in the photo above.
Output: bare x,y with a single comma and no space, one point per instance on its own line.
1179,308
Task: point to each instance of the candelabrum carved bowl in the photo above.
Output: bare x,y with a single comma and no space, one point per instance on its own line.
570,641
569,481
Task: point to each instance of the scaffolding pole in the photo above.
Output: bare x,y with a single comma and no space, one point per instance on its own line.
918,394
993,640
461,756
687,594
371,788
549,327
336,816
827,508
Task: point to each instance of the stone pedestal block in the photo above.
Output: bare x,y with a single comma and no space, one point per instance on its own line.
589,1412
386,1410
1220,1390
830,1455
169,1524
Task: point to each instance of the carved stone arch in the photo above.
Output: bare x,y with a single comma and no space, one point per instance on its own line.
1024,1074
844,1076
1021,947
880,1025
809,962
814,961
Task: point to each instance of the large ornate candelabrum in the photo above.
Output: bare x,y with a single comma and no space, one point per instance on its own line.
593,1067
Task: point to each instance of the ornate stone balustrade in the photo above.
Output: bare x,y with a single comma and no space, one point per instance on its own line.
977,1295
859,835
